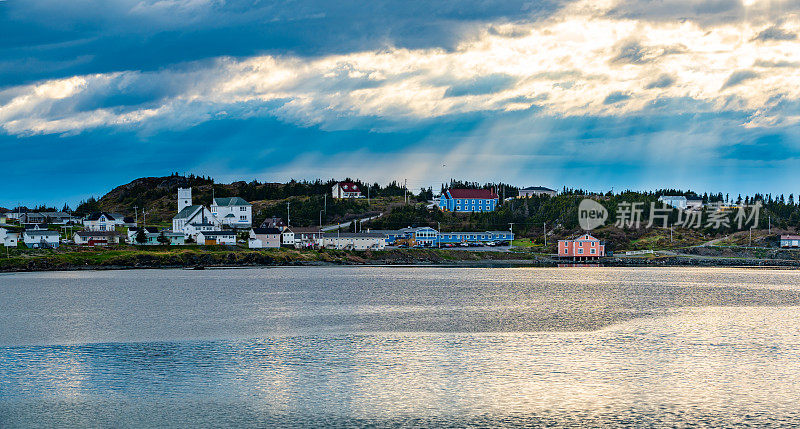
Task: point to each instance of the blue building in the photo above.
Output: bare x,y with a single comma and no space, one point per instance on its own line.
475,237
468,200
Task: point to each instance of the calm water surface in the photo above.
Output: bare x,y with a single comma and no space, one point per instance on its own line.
367,346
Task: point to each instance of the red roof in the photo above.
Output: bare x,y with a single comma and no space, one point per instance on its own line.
349,187
473,193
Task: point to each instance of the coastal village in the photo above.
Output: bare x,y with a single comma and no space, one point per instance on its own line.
229,221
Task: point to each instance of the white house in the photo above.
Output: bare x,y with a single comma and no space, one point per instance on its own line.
193,229
536,191
96,238
694,203
261,238
41,238
287,236
355,241
133,230
103,221
301,237
346,190
216,237
676,201
8,238
234,212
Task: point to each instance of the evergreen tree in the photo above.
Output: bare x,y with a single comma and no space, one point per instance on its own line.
141,237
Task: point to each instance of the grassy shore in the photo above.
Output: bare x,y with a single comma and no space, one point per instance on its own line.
69,258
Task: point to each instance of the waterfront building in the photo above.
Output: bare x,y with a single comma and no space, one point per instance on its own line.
37,238
96,238
216,237
301,237
475,237
8,237
585,247
354,241
262,238
133,230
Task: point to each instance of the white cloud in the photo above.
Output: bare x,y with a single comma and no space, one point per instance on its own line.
576,62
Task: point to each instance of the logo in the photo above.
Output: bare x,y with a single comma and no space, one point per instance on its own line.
591,214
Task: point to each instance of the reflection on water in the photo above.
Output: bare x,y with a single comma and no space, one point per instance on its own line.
646,347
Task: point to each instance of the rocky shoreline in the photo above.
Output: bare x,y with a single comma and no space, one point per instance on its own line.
119,259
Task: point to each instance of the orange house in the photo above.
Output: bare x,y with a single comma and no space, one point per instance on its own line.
582,248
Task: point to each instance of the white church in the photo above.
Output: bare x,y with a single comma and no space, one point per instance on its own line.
192,219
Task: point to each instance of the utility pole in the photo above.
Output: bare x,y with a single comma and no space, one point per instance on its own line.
751,236
288,217
439,234
368,203
769,224
511,243
544,232
136,219
405,190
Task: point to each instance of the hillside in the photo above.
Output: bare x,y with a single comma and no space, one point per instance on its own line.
156,196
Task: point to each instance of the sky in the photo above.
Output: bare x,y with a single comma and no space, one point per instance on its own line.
592,94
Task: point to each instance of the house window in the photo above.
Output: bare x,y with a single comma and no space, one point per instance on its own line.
592,251
241,209
580,251
243,218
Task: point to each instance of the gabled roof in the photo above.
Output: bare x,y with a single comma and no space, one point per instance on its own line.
262,231
473,193
538,188
187,212
349,187
231,201
150,229
55,214
42,232
790,237
96,216
97,233
303,229
215,233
